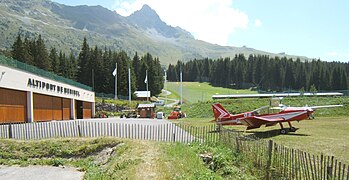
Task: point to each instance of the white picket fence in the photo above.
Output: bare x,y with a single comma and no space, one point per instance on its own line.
157,132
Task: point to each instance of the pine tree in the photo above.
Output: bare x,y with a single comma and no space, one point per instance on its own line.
73,66
63,65
28,55
40,55
55,61
83,59
18,49
136,65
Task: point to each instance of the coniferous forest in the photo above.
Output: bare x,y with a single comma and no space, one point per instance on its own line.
92,66
264,73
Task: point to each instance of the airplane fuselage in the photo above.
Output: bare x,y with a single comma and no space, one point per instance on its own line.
288,114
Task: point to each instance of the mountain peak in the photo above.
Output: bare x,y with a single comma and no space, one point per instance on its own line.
145,16
148,10
147,19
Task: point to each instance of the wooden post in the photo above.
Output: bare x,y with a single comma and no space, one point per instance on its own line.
10,131
343,171
270,153
79,130
339,169
237,145
311,165
329,169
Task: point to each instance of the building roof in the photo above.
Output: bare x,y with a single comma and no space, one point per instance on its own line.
146,106
142,93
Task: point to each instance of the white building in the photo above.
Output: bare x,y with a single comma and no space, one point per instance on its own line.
28,97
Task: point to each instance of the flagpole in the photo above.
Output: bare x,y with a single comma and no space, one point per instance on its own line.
146,76
165,85
181,87
116,81
129,85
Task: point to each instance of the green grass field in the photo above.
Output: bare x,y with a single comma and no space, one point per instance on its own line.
326,134
195,91
204,109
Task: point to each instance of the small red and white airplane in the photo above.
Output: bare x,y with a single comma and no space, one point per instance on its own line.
254,120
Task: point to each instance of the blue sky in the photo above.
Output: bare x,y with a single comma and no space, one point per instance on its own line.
312,28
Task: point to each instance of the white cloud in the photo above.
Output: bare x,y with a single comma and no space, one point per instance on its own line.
331,54
257,23
210,20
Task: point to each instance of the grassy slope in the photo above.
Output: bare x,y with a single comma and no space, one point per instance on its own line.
194,91
204,109
326,134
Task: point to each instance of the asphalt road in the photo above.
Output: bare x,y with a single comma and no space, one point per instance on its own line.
39,173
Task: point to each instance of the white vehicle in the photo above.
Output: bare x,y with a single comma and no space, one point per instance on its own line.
160,115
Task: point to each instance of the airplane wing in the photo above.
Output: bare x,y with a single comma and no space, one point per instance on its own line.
256,122
326,106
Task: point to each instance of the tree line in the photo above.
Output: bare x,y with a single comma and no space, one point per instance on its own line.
264,73
93,66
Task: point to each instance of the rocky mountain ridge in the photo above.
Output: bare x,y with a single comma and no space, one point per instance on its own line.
143,31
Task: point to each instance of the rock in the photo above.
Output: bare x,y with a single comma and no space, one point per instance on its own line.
206,157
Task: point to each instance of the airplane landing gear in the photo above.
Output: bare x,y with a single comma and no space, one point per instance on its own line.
283,131
293,129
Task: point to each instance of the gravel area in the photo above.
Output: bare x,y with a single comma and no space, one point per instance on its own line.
40,173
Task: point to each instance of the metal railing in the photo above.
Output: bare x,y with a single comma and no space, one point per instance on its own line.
12,63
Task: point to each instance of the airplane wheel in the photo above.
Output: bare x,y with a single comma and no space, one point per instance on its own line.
293,129
283,131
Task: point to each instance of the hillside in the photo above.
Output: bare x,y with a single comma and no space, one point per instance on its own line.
65,27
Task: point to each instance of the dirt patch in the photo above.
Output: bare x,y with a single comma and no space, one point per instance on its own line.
40,173
103,156
150,155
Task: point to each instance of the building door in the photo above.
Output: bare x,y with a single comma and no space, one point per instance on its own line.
66,108
87,110
79,109
13,106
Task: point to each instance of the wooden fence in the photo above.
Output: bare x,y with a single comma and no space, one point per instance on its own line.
281,162
157,132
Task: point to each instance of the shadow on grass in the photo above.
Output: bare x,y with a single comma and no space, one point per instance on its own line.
271,133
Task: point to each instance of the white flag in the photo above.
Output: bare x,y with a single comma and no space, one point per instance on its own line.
146,79
114,72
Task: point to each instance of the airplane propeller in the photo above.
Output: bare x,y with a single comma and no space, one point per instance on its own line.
310,115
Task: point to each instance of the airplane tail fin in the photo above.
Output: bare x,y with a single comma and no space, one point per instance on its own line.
219,112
